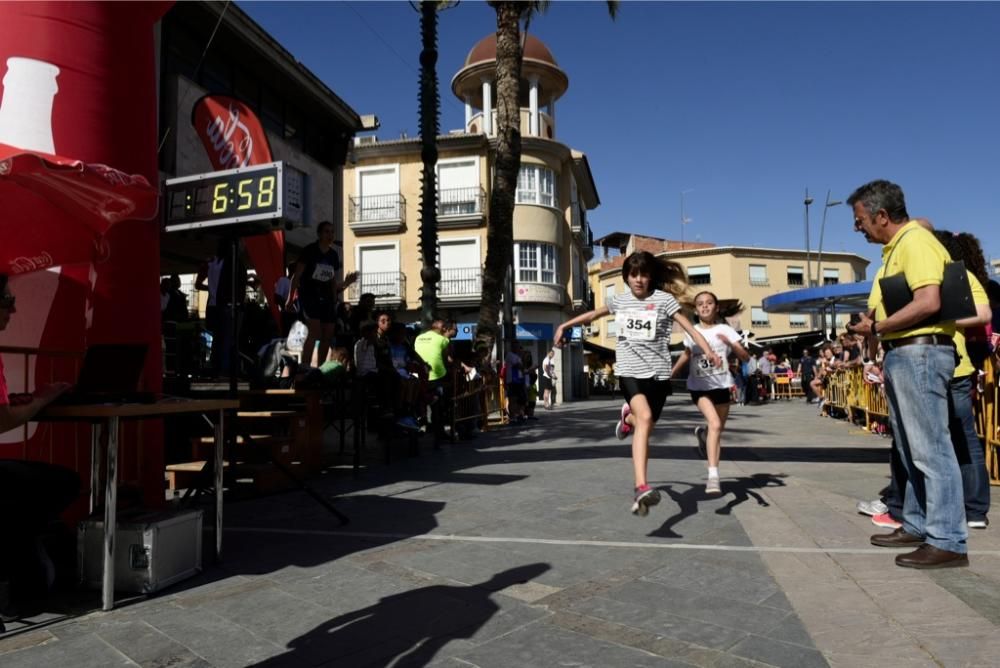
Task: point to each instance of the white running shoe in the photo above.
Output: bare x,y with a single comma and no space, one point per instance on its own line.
713,486
872,508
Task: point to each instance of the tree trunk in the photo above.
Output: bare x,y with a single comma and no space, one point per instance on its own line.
507,161
429,111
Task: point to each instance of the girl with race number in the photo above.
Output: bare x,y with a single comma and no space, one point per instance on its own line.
709,384
644,316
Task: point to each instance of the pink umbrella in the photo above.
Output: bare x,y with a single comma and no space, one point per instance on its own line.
56,210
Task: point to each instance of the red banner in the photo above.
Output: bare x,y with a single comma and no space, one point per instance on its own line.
233,137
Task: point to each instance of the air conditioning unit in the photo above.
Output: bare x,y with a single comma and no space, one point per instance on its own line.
366,140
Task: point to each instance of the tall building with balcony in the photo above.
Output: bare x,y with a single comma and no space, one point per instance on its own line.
552,238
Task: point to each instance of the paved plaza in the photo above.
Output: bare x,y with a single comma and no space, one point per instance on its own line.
517,549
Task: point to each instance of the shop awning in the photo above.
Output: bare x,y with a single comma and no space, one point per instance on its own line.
599,350
843,296
788,338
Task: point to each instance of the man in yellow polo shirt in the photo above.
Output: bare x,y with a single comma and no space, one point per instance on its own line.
918,367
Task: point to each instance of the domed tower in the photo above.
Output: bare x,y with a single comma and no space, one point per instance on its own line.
543,82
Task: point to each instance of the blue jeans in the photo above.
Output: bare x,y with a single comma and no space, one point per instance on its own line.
918,384
969,449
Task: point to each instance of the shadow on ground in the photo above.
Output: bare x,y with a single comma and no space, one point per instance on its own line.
406,629
741,489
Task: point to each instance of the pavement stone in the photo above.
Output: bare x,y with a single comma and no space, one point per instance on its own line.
296,590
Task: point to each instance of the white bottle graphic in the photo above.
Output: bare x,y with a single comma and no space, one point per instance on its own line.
28,93
26,111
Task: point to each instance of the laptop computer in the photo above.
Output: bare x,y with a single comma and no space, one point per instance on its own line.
110,374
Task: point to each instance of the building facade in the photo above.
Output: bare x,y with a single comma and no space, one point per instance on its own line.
552,239
209,47
744,273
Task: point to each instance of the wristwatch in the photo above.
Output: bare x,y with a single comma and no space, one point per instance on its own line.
874,331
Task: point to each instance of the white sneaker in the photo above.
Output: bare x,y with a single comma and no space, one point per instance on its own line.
979,524
873,508
713,486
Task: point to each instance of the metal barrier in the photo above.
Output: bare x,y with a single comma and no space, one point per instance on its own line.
496,403
867,401
988,419
860,401
838,391
469,403
782,384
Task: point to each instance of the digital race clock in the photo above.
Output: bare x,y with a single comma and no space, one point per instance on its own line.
261,197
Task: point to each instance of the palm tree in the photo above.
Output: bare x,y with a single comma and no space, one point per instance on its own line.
430,108
507,163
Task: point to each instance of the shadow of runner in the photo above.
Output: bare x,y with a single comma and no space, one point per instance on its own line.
741,488
406,629
272,534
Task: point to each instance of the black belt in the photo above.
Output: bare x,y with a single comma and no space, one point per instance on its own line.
922,340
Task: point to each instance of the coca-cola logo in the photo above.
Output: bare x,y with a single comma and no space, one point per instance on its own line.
232,149
24,264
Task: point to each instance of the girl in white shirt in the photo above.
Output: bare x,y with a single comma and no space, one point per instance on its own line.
710,385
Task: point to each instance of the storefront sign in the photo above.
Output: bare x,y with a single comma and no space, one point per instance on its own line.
528,331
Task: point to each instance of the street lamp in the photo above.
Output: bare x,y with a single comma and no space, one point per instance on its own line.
809,281
819,253
684,219
822,226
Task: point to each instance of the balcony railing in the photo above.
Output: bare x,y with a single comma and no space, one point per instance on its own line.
461,201
759,282
387,286
461,282
370,210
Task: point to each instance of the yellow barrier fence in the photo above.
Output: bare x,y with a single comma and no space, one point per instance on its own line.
496,402
866,402
988,419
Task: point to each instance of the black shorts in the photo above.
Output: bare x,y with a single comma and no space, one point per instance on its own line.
719,396
324,310
655,391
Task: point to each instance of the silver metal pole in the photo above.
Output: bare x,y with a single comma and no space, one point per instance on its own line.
95,465
110,516
809,279
219,435
819,262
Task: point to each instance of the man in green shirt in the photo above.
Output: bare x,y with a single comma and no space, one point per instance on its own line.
432,347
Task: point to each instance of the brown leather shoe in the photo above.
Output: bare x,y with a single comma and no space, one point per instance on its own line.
928,556
897,538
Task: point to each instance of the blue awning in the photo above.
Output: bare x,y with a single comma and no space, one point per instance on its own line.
842,296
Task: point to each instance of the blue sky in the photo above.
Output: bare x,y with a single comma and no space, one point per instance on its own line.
744,104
